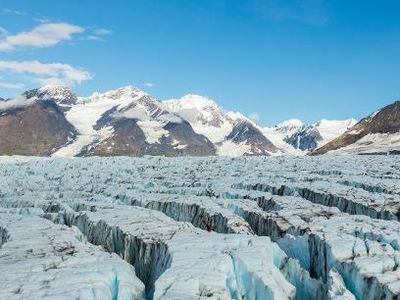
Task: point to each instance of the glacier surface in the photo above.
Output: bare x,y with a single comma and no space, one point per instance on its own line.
195,228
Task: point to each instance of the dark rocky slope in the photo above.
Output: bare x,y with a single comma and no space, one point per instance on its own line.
387,120
38,128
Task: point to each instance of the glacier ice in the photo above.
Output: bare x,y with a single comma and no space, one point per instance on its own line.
42,260
188,228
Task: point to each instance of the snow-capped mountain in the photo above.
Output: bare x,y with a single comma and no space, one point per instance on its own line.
205,116
293,135
52,120
62,95
278,133
127,121
232,133
289,127
33,124
378,133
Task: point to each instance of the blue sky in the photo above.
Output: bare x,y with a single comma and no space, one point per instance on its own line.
307,59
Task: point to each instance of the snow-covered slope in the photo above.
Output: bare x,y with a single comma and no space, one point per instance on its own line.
86,113
377,133
205,116
331,129
374,143
296,137
128,121
278,133
232,133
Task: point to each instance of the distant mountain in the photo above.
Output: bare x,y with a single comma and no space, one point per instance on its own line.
278,133
63,96
378,133
232,133
127,121
293,135
52,120
33,125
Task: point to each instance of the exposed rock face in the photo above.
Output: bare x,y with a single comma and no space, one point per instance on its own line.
182,140
129,139
39,128
305,139
377,133
245,132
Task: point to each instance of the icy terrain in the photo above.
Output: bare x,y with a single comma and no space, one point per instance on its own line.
195,228
297,138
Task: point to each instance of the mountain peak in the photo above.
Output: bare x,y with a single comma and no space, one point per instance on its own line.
60,94
128,91
54,88
237,116
206,109
290,123
192,101
198,110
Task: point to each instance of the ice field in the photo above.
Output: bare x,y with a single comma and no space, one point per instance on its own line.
200,228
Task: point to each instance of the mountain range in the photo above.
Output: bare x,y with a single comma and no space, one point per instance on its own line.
53,121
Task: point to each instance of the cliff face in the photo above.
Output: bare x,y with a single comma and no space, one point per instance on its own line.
39,129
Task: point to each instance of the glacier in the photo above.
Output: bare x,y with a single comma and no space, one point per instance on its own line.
194,228
43,260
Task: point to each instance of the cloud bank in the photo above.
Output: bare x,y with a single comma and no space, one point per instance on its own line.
43,35
46,73
16,102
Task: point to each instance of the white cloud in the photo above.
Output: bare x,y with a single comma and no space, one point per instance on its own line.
98,34
42,20
43,35
95,38
46,72
102,31
13,11
254,116
16,102
149,84
11,85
